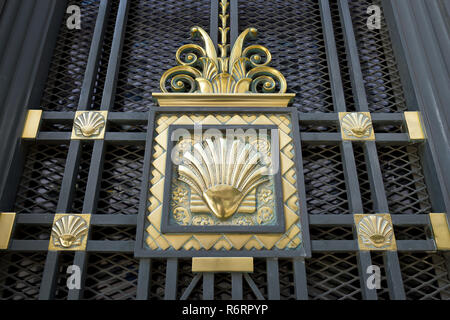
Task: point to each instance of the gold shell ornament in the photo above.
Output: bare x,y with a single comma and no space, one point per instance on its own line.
68,231
375,231
223,172
356,124
89,124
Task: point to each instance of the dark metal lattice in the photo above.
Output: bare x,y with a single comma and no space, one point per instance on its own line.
292,31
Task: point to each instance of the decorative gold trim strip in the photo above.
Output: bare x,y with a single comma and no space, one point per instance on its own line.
6,226
233,264
375,232
89,125
32,123
356,126
69,232
414,125
223,100
441,230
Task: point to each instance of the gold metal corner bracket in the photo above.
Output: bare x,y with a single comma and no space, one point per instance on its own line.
414,125
356,126
6,226
32,124
375,232
69,232
228,264
89,125
441,231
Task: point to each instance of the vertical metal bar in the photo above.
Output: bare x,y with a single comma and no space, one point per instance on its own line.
364,261
236,286
301,284
214,22
170,291
273,281
47,289
208,286
80,260
394,276
332,57
373,166
234,21
143,287
353,57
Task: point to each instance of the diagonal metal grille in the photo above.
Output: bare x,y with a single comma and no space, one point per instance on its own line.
41,179
425,276
404,179
155,30
378,64
111,277
324,180
62,89
292,31
333,276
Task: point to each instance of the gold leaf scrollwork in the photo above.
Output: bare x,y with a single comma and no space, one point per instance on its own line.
244,71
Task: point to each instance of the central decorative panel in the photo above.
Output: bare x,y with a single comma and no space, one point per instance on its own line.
223,184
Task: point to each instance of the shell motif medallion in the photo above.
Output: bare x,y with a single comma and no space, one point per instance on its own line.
89,124
375,231
68,231
223,172
357,125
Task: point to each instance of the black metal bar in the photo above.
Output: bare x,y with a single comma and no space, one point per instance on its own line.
170,291
273,281
364,261
214,22
234,21
208,286
375,177
301,284
236,286
80,260
334,245
394,276
47,289
191,286
332,57
110,246
143,287
397,219
351,177
254,287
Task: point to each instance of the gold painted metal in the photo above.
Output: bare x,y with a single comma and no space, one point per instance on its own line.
232,264
6,226
441,230
69,232
227,179
89,125
290,239
223,100
375,232
356,126
32,124
201,70
414,125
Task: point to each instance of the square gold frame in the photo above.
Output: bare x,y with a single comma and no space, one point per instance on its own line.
345,137
364,247
290,239
82,246
100,136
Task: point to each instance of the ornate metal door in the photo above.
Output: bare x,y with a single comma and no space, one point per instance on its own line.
361,191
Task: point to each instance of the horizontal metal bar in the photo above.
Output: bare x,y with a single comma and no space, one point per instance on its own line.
415,245
141,117
334,245
57,115
35,218
387,117
320,137
113,219
110,246
125,136
318,116
347,219
28,245
399,138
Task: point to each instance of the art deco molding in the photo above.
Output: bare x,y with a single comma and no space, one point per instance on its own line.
356,126
209,79
89,125
69,232
375,232
288,239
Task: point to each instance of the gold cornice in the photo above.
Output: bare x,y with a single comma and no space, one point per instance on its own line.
223,99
